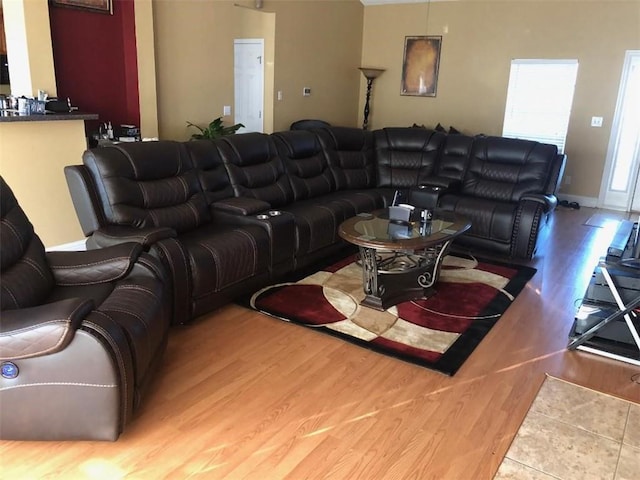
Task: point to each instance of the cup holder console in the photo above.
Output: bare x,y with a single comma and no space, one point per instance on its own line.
429,187
275,213
262,216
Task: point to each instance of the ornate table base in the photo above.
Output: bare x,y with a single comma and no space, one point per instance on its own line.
389,279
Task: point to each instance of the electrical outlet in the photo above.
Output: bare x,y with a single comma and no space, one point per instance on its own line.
306,92
279,94
226,110
596,121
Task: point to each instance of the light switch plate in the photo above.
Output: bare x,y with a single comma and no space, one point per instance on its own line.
226,110
306,92
596,121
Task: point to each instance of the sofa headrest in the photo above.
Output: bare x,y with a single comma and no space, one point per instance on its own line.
346,138
297,144
515,150
408,139
142,160
248,148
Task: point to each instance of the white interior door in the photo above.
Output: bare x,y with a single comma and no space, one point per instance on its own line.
249,83
621,189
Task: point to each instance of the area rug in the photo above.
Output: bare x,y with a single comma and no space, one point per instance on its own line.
440,332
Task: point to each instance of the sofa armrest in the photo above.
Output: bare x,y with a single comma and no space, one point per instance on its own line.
556,175
86,201
116,234
280,226
93,266
548,201
427,195
241,205
41,330
450,184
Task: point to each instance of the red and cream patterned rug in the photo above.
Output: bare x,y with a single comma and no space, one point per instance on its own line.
439,333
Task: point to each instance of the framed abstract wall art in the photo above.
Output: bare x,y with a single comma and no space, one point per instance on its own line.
420,65
101,6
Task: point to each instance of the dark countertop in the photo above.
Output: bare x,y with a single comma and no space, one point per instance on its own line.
8,116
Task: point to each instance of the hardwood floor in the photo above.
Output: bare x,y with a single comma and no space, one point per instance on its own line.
244,396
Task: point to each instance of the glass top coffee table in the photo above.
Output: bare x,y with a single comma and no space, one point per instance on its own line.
401,260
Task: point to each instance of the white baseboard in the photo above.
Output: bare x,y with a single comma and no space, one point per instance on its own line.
70,247
591,202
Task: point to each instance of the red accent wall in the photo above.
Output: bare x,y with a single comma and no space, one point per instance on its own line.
95,61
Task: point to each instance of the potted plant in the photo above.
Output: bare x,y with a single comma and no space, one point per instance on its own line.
214,130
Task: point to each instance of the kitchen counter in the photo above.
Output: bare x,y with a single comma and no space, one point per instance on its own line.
12,116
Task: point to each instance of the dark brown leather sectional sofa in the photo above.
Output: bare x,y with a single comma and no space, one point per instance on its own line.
231,215
177,229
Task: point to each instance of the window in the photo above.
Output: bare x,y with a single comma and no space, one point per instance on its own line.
539,100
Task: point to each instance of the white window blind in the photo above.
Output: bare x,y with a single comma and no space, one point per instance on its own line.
539,100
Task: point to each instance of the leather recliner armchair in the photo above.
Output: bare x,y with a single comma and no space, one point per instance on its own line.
81,333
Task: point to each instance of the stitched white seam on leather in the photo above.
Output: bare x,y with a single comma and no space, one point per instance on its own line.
216,261
194,211
13,297
116,351
185,186
145,197
33,327
14,230
57,384
252,240
84,265
33,265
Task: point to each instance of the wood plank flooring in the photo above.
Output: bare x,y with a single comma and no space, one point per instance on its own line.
244,396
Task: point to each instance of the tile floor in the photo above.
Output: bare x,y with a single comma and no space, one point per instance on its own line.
574,433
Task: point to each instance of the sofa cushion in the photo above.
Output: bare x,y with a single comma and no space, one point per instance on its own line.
505,169
148,184
317,222
305,163
406,156
221,256
212,173
255,168
350,155
490,219
26,276
454,157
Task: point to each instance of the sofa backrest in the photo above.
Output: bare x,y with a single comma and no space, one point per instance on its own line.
350,155
454,157
305,163
406,156
505,169
26,277
214,179
148,184
255,168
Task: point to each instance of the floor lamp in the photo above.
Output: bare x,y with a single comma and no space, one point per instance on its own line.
370,74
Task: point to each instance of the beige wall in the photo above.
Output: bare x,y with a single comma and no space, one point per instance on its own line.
28,37
145,52
317,44
32,160
479,40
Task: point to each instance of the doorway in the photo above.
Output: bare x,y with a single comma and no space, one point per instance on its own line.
620,189
249,83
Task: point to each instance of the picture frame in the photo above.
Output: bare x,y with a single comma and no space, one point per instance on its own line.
100,6
420,65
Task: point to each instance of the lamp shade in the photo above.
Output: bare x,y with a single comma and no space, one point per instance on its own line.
371,73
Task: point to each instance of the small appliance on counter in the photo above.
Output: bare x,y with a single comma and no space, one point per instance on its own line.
57,105
129,133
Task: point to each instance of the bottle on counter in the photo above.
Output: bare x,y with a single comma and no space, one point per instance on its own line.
110,131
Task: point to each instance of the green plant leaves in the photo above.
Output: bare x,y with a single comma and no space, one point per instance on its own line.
215,129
